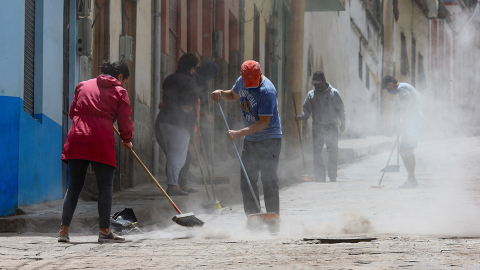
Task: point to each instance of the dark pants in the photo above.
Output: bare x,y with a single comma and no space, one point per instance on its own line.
325,134
261,156
104,175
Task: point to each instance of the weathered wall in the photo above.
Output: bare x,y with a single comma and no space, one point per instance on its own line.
264,8
279,23
413,24
338,56
31,166
144,122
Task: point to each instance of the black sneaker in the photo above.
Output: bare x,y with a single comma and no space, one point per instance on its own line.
190,190
171,192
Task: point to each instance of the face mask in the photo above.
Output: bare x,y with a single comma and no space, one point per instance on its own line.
320,87
392,91
208,79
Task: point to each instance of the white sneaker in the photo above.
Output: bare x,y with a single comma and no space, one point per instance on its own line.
63,236
109,237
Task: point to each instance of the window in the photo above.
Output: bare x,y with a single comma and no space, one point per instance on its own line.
404,67
29,61
367,76
414,60
422,82
360,65
256,34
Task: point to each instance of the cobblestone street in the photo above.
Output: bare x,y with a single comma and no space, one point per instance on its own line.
434,226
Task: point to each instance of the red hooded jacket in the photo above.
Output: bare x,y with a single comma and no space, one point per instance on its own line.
96,105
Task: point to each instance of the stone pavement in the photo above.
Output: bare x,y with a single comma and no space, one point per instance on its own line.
434,226
152,208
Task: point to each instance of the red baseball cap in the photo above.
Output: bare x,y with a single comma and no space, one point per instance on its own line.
251,73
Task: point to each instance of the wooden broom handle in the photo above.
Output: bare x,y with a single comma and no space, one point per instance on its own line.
151,176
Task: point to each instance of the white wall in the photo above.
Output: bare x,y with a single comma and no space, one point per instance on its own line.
52,62
337,55
143,43
143,61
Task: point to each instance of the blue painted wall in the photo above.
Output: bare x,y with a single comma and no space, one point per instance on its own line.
11,88
9,125
30,167
40,169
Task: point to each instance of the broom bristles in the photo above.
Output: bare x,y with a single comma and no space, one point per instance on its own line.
188,220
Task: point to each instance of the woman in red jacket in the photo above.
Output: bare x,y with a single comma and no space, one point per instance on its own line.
96,105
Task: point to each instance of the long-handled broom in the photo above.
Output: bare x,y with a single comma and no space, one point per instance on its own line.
270,218
216,179
216,204
305,177
187,219
387,168
201,170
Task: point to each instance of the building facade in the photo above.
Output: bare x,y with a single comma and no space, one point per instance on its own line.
39,67
352,60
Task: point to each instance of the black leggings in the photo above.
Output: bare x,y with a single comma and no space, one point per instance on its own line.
104,174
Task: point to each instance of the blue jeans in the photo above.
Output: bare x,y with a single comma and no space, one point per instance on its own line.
325,134
104,175
261,156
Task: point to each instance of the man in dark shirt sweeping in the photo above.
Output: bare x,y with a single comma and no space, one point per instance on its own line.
325,105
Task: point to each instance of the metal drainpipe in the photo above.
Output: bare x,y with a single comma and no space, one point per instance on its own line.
156,83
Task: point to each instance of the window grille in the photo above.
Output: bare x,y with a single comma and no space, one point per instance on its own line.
29,60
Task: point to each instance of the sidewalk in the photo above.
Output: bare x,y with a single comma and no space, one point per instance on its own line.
153,209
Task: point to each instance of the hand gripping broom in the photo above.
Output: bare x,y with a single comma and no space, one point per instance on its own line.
253,219
188,219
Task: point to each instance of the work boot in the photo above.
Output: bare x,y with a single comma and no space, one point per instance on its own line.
333,179
410,183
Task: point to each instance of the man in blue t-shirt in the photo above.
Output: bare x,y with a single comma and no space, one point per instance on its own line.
263,133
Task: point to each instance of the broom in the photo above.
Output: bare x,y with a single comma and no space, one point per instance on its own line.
216,202
186,220
201,170
304,177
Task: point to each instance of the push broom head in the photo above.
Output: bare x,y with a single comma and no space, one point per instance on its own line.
188,220
217,205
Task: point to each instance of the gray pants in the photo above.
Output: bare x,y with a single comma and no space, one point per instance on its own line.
325,134
174,141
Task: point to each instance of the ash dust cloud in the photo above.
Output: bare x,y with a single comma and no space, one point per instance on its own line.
447,201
